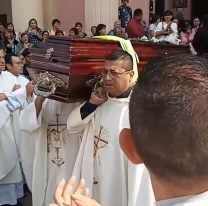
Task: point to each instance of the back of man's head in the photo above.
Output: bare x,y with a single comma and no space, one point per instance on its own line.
138,12
169,117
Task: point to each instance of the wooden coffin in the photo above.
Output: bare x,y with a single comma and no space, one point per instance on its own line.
75,61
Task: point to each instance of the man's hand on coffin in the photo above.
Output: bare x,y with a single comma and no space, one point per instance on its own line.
96,100
3,97
62,196
30,89
16,87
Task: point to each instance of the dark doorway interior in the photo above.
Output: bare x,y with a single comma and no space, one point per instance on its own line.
3,19
159,7
199,8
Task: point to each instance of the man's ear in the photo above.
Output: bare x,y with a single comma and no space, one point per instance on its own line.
128,147
8,66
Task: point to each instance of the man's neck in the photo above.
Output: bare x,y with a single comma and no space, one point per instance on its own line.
167,190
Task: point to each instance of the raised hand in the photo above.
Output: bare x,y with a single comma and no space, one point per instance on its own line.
30,89
16,87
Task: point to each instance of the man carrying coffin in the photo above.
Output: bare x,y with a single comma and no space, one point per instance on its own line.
12,98
48,150
111,178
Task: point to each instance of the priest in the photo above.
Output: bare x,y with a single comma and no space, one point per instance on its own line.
48,150
12,98
111,178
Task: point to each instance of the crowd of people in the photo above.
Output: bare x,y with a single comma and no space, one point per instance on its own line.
161,161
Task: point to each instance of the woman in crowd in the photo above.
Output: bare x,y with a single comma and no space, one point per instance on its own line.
10,29
56,26
73,32
45,36
23,44
10,42
78,26
196,23
200,41
93,30
34,32
166,27
153,26
100,30
187,33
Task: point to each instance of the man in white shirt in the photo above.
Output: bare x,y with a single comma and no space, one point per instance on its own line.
168,119
12,98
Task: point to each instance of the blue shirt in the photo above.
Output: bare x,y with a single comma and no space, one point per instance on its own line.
125,15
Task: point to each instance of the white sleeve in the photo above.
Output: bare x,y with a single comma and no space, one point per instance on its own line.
174,27
4,111
159,27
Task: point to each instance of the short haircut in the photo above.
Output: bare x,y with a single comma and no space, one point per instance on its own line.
55,21
184,25
138,12
78,24
59,32
168,118
75,30
8,58
99,28
121,56
45,32
168,13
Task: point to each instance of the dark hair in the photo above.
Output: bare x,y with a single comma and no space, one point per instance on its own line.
55,21
10,23
78,24
184,25
205,20
138,12
35,22
45,32
154,19
168,13
75,30
168,116
8,58
124,0
59,31
93,27
121,56
99,28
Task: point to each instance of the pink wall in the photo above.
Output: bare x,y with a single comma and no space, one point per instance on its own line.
185,13
69,12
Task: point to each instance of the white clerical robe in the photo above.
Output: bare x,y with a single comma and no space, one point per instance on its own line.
10,134
48,153
194,200
109,175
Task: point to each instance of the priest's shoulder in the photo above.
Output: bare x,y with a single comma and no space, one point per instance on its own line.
8,75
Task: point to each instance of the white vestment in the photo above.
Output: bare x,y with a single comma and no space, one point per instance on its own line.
111,178
194,200
48,153
10,135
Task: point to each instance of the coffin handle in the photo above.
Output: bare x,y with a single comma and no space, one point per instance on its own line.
49,53
44,93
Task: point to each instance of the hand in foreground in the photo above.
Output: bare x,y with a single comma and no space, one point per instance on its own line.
16,87
62,196
30,89
2,97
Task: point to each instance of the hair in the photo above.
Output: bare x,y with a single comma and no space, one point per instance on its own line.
168,117
8,58
121,56
75,30
55,21
168,13
78,24
35,22
22,35
124,0
10,23
99,28
4,33
45,32
59,31
184,25
117,30
138,12
93,27
154,19
205,20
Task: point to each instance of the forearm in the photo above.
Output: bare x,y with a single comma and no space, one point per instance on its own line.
159,33
38,104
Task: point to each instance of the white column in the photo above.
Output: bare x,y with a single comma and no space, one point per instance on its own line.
24,10
101,12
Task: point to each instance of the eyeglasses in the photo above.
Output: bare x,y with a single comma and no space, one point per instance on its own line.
113,73
20,64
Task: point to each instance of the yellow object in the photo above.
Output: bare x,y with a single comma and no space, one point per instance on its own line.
126,46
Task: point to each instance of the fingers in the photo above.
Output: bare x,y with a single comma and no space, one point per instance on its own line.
87,192
68,191
58,193
81,198
80,186
80,203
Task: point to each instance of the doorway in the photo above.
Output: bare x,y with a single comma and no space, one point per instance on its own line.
199,8
3,19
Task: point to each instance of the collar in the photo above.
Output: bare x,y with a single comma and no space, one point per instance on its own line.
125,94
